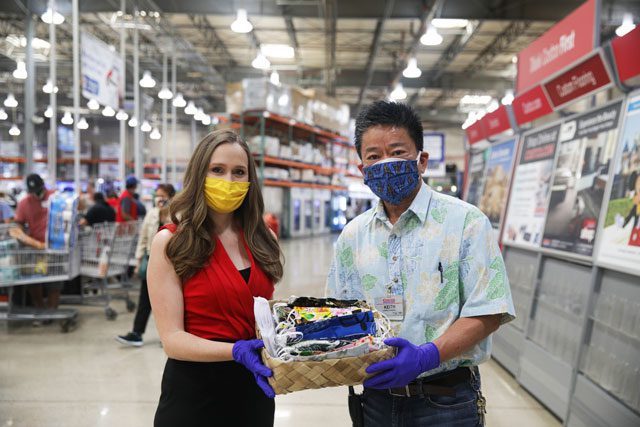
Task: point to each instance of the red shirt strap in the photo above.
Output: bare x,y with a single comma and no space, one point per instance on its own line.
171,227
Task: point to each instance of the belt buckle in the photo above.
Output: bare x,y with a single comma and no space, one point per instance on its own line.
406,394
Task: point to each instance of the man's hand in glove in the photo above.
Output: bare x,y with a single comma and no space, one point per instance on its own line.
411,361
247,353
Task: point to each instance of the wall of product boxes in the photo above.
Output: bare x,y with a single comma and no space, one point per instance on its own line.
568,213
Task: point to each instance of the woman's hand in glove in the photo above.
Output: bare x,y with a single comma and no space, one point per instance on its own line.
247,353
411,361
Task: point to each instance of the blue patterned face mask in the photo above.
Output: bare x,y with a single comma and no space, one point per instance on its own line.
393,179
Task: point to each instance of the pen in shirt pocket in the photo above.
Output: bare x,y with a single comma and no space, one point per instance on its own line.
440,270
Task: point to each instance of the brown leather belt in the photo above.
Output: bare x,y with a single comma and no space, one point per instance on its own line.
441,384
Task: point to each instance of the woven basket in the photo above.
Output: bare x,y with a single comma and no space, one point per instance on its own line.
296,376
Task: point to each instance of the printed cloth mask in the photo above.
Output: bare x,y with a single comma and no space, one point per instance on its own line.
393,179
225,196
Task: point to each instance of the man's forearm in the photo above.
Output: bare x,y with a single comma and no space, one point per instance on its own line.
465,333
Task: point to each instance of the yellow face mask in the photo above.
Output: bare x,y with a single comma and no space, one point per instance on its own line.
224,196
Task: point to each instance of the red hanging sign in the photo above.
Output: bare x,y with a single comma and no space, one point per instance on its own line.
475,132
531,105
562,45
625,52
584,78
496,122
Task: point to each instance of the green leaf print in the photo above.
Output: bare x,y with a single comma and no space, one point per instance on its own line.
438,214
449,293
430,333
405,282
471,216
412,223
346,256
369,282
466,362
383,250
496,288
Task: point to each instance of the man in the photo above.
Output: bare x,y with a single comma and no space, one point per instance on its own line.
127,208
32,211
430,262
6,213
99,212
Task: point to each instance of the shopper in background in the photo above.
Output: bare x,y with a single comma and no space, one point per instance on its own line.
112,199
432,264
141,209
127,207
156,218
6,213
99,212
204,271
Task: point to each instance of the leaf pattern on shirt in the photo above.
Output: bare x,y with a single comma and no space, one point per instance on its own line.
369,281
346,256
472,216
430,333
383,250
449,293
496,287
439,213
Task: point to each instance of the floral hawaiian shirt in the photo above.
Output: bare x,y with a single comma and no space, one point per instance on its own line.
441,256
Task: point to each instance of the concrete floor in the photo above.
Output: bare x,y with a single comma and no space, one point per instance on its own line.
84,378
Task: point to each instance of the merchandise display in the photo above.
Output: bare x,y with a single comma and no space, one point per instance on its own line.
498,177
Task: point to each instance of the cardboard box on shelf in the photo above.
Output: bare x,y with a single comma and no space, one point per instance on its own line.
302,105
258,94
329,113
234,98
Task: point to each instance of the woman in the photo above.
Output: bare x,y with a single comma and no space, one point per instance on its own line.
203,273
156,218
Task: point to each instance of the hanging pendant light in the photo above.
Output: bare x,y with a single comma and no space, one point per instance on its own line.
82,124
3,114
431,37
190,109
274,78
93,104
261,62
206,120
108,111
165,93
48,88
147,81
11,101
21,71
412,71
626,26
145,127
49,17
155,134
398,93
122,115
178,101
133,122
48,113
14,131
67,119
241,24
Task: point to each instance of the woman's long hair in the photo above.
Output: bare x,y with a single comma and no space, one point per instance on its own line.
191,246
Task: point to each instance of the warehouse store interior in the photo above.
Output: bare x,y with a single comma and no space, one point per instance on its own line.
530,114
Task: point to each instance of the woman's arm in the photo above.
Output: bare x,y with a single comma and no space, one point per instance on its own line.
144,237
165,292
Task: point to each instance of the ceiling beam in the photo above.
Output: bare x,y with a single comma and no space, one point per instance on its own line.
214,42
330,31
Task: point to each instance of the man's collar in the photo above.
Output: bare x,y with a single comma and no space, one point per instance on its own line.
419,207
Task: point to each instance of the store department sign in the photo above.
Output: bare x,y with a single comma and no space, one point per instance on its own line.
101,72
433,143
586,77
627,60
562,45
531,105
475,132
496,122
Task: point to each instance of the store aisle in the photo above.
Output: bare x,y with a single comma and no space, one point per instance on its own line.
84,378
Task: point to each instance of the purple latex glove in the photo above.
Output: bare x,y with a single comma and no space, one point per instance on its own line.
411,361
247,353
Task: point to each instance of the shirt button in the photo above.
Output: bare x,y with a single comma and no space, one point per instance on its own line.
395,258
395,280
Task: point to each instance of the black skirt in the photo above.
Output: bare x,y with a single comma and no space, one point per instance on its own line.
220,394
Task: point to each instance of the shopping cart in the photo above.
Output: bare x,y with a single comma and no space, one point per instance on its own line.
106,251
21,266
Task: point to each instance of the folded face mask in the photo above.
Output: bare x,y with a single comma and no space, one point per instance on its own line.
314,314
343,327
323,302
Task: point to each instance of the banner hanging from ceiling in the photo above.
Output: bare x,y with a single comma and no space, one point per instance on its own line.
101,71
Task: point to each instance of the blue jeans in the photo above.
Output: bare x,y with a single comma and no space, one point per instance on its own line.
381,409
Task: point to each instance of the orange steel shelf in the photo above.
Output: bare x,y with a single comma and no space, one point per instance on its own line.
291,184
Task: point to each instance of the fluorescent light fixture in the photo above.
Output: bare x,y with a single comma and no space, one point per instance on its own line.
3,114
147,81
261,62
48,113
108,111
146,127
93,104
21,41
14,131
165,93
283,51
398,93
133,122
241,24
11,101
493,106
627,25
48,88
48,17
449,23
206,120
412,71
82,124
67,119
274,78
21,70
155,134
431,37
178,101
476,99
190,109
508,98
122,115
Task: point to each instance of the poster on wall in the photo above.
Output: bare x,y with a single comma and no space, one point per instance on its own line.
620,237
101,72
476,176
530,190
497,178
433,143
586,147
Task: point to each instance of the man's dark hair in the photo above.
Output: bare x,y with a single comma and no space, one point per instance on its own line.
98,197
386,113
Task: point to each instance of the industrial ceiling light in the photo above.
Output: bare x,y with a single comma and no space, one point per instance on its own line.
412,71
198,115
147,81
627,25
471,119
146,127
93,104
48,88
398,93
493,106
14,131
21,70
133,122
431,37
241,24
206,120
190,109
11,101
67,119
449,23
508,98
274,78
261,62
165,93
48,113
82,124
3,114
283,51
514,59
108,111
122,115
178,101
49,17
476,99
155,134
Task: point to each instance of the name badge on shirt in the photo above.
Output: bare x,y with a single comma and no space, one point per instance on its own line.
391,306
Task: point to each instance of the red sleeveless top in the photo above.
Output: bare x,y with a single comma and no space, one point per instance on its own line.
218,303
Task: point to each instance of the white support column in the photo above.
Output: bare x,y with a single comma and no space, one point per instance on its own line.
76,97
137,155
29,96
164,121
122,165
53,132
174,173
